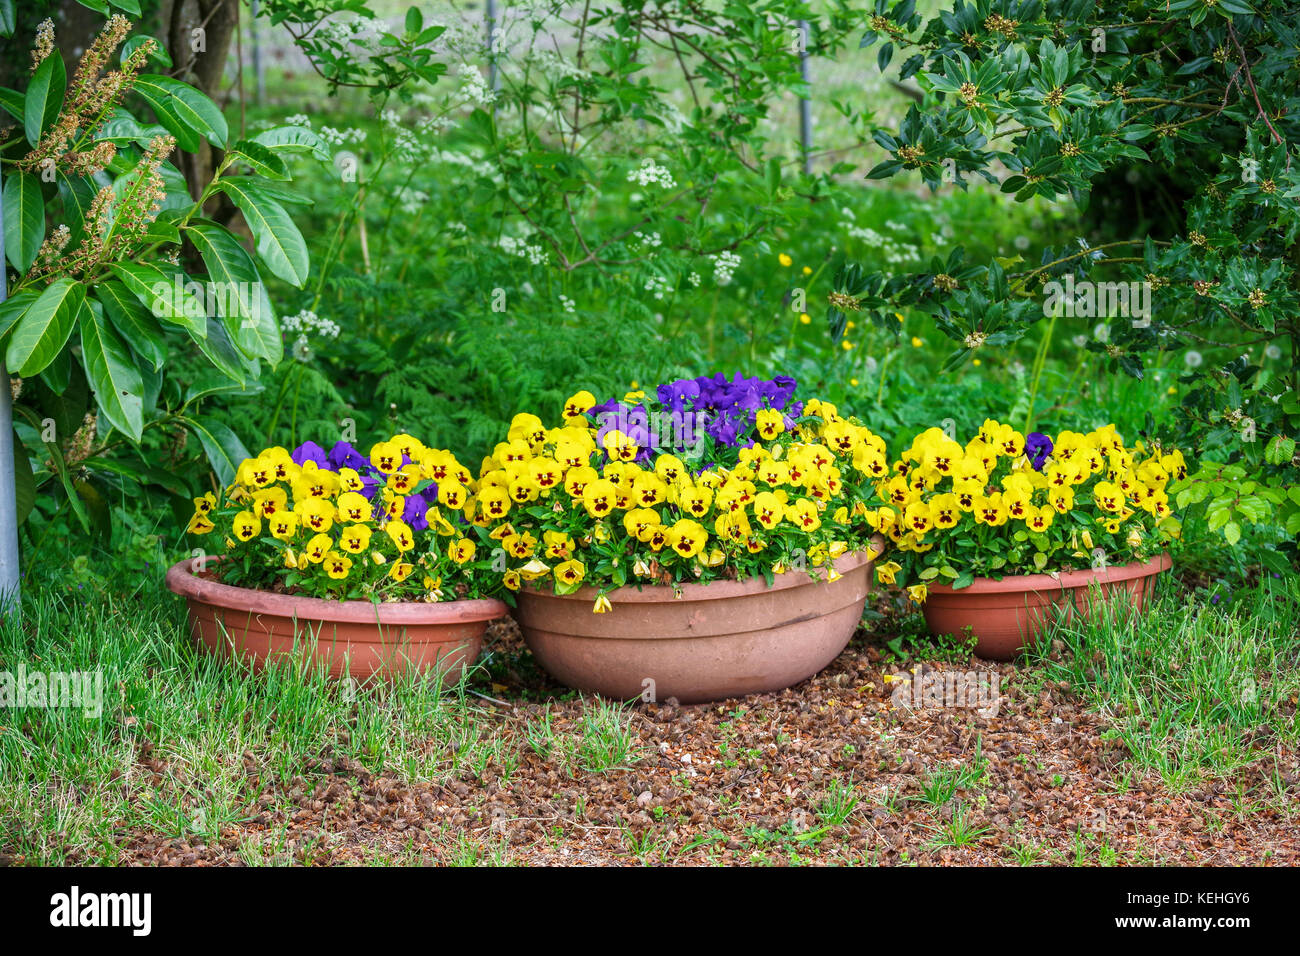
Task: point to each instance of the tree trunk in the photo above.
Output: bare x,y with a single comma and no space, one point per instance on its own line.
198,34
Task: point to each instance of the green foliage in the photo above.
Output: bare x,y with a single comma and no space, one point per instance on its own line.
1056,94
116,270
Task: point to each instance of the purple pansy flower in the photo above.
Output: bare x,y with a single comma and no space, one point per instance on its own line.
310,451
344,455
1037,447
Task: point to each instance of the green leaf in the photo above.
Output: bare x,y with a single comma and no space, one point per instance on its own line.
111,371
133,43
1232,532
143,474
24,211
12,309
7,18
44,96
134,322
41,333
220,349
279,242
11,101
165,295
181,108
294,139
98,512
1280,450
245,306
203,389
263,160
24,480
222,446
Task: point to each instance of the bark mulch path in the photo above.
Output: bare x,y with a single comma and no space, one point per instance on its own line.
763,781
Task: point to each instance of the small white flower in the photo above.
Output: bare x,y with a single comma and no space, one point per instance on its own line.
649,173
724,267
1193,359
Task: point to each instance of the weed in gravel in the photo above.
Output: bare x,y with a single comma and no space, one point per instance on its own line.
956,832
838,804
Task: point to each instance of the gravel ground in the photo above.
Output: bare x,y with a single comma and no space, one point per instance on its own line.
832,771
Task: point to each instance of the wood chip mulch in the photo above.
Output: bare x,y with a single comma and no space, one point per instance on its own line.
743,782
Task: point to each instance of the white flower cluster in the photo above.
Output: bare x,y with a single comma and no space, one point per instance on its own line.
724,267
567,304
308,322
343,30
298,119
555,68
476,166
337,137
651,240
410,200
658,286
893,251
457,227
694,279
474,89
649,173
525,250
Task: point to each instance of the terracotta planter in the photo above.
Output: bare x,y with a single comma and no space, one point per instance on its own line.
718,640
1005,616
352,638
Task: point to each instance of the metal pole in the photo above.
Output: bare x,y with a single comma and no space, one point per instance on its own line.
10,594
494,81
805,104
260,89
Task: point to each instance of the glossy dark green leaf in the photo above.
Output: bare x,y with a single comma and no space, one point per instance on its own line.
244,304
44,96
134,322
44,328
222,446
279,243
166,295
112,373
24,211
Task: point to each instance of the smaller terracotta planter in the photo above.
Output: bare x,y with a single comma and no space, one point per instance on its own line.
703,642
1006,616
352,638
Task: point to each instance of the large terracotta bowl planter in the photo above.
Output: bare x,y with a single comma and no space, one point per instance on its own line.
351,638
1006,616
714,641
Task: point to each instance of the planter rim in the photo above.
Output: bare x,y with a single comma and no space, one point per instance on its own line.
1066,579
181,580
712,590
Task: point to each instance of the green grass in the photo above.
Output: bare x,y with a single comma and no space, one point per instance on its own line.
219,737
1191,690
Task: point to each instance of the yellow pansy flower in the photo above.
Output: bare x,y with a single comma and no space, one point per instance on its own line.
337,565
